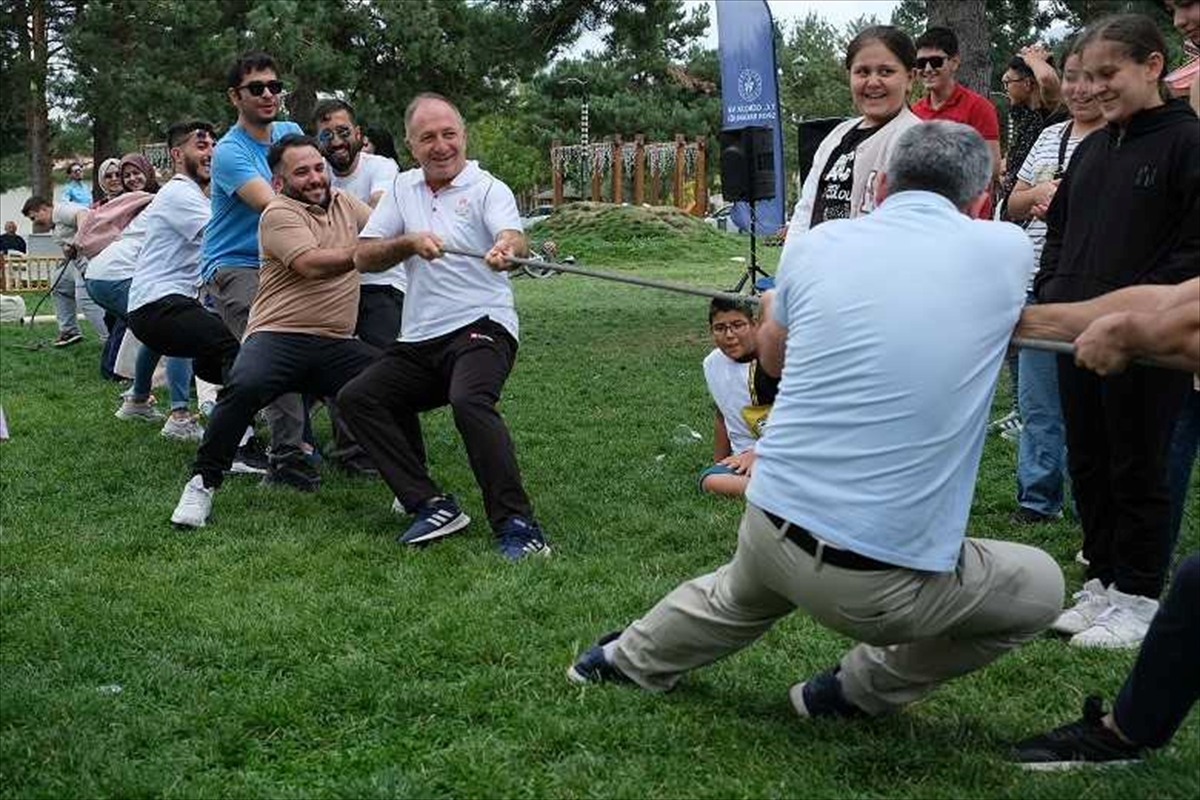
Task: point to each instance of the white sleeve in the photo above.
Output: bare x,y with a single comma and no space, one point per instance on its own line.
192,215
386,220
383,176
500,210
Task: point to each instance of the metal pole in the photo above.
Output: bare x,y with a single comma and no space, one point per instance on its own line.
1047,345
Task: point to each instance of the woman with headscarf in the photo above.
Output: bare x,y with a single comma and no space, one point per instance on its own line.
137,174
110,181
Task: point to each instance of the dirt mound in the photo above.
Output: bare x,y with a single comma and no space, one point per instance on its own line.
622,223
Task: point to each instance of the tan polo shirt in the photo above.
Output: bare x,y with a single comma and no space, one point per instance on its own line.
287,302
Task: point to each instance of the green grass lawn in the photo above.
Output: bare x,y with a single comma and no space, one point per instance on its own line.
291,649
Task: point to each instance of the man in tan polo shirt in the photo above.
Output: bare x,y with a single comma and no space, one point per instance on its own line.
300,336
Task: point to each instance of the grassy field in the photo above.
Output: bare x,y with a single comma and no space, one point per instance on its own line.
291,649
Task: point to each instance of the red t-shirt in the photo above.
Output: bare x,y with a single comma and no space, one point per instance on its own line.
967,107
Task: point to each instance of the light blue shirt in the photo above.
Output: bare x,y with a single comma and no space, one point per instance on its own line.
76,192
231,238
897,323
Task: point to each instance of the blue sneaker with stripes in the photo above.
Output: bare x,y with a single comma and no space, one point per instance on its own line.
437,518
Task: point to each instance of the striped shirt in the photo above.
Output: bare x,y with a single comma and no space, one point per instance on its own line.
1040,166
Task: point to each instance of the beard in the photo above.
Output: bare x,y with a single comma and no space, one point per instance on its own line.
298,196
191,167
343,160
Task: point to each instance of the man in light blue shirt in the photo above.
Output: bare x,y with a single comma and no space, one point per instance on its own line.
890,330
240,190
76,191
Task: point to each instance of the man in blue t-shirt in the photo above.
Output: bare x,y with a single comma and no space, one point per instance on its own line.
240,190
889,330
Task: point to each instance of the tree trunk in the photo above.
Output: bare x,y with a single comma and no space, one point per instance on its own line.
968,20
35,47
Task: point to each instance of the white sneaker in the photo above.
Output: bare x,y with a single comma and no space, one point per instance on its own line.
194,504
131,409
398,507
1081,559
184,429
1004,423
1122,626
1090,602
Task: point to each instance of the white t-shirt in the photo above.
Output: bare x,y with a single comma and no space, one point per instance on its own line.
729,384
118,261
169,262
1040,166
372,174
453,291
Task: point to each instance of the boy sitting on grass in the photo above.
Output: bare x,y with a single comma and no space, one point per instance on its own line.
743,394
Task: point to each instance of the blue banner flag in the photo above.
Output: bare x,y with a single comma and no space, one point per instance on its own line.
750,94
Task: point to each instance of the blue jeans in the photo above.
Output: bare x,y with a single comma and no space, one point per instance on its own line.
1180,459
114,296
1042,448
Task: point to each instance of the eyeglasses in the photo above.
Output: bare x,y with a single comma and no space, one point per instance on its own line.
722,328
108,176
933,62
256,87
1007,81
341,131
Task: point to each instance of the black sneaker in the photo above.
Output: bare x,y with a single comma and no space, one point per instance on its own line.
1027,516
294,473
518,537
250,459
1086,742
821,696
593,667
436,518
67,339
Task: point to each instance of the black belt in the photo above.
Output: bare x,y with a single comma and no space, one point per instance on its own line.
846,559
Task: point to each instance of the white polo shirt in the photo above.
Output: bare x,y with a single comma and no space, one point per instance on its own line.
372,174
169,262
453,291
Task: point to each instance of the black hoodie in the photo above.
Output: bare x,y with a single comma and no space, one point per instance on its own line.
1128,209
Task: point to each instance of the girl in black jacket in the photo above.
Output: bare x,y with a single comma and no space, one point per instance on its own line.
1127,212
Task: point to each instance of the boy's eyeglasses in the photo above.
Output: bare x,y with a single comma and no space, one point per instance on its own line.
933,62
722,328
256,88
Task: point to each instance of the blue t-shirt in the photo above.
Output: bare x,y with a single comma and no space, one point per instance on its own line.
76,192
231,237
897,323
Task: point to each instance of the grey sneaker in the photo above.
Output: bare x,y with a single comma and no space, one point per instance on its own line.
183,429
132,409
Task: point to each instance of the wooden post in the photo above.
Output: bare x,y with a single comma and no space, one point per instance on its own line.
655,191
596,182
677,188
639,169
558,178
618,172
701,177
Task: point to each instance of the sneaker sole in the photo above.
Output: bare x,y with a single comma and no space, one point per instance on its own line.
796,696
242,468
175,437
576,677
1063,766
143,417
453,526
1086,645
188,524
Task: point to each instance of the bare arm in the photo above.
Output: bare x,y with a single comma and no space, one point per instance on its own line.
509,242
256,193
1066,321
1170,338
377,255
1025,197
721,446
324,262
1048,83
772,339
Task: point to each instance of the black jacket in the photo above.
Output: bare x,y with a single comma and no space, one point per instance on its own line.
1127,210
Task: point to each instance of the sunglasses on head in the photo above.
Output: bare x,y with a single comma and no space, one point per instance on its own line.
933,62
342,132
256,88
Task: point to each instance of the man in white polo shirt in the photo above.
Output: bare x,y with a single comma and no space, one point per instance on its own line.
366,176
458,339
890,330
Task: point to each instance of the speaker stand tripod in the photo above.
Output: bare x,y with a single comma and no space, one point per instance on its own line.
752,272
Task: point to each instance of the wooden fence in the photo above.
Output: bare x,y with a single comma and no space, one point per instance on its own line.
20,273
648,166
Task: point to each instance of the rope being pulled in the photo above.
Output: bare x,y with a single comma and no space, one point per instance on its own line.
1047,345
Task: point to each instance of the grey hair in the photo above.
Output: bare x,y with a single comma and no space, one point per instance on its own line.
422,97
947,158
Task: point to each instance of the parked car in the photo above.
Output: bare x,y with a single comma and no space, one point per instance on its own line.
537,214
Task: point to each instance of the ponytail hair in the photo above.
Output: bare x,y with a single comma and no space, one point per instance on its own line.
1135,34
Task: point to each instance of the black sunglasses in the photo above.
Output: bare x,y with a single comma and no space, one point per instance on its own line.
935,62
256,87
